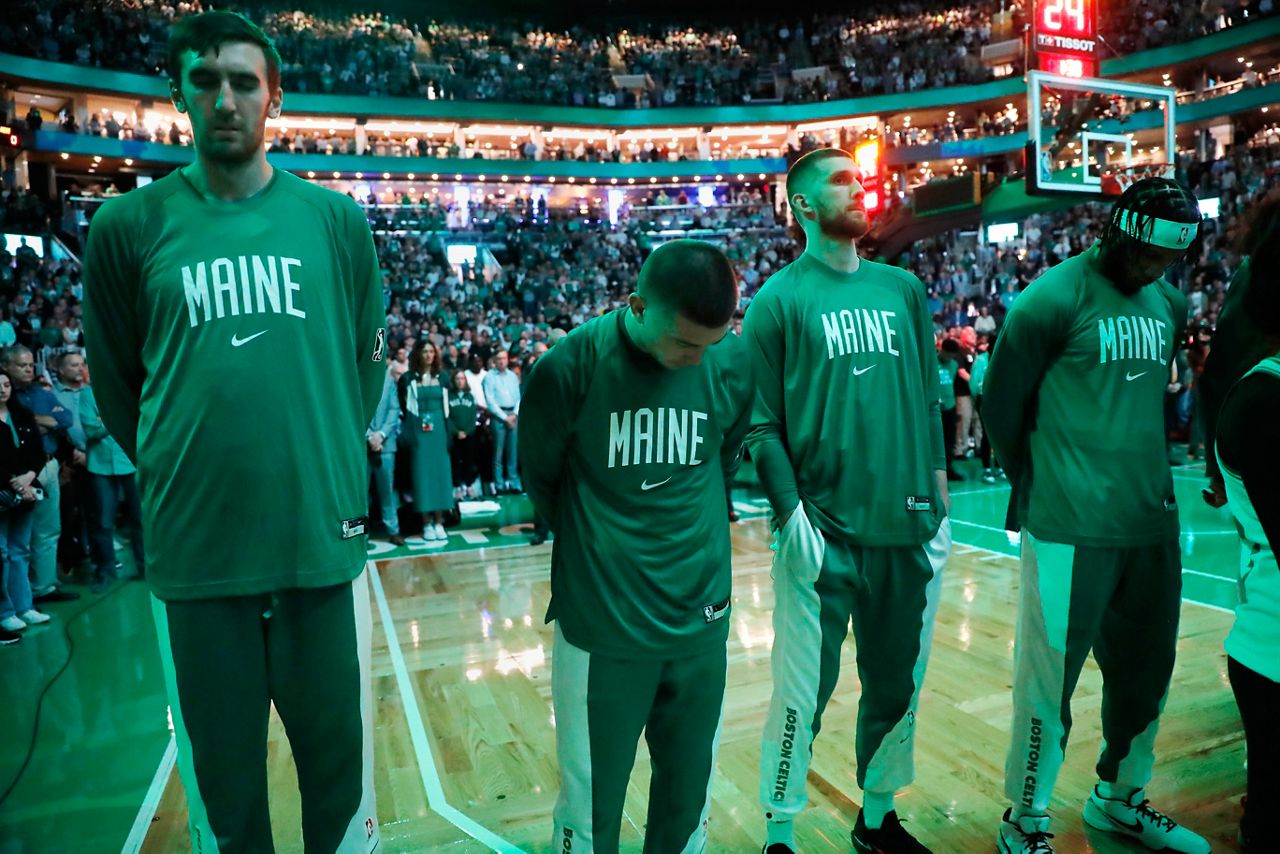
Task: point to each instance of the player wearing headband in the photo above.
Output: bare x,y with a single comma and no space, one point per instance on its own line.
1074,404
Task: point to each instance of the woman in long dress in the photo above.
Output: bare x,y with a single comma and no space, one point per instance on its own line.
424,406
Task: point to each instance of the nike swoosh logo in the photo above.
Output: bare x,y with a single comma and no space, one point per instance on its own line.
1131,377
237,341
857,372
1136,827
646,486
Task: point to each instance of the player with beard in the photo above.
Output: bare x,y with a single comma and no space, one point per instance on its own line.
1074,403
233,315
847,439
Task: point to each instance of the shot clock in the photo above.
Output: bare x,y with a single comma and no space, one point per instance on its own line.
1065,37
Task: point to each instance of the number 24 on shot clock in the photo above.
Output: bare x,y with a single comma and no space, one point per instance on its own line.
1066,37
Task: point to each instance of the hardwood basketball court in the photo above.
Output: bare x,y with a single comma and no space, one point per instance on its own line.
465,742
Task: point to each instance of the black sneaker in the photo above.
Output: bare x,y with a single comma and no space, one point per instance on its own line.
890,838
7,637
778,848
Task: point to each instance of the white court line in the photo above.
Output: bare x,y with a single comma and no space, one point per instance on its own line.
147,812
995,554
980,491
955,521
418,733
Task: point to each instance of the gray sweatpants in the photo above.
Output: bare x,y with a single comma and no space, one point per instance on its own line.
1123,604
892,596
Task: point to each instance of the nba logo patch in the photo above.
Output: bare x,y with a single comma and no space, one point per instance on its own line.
379,344
709,613
368,827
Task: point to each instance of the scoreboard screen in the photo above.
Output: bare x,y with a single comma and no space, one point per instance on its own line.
1066,37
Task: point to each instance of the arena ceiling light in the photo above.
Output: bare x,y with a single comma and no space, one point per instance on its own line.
420,128
655,133
767,130
308,123
578,133
861,123
497,130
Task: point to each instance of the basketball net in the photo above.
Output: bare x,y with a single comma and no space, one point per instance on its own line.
1116,182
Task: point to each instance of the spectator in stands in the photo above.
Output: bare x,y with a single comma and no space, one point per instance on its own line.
424,406
21,457
475,373
984,323
978,375
879,49
502,395
965,421
113,485
53,422
7,335
948,356
464,413
73,546
381,440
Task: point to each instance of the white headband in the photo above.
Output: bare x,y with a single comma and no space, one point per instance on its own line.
1164,233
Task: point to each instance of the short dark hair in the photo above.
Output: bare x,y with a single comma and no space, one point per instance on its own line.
801,172
1148,199
693,278
210,31
60,360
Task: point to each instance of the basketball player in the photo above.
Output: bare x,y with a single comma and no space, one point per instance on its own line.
847,438
1249,467
233,315
1074,404
630,426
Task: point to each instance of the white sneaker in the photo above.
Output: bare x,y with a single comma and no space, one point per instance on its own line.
34,617
13,624
1136,819
1026,835
440,533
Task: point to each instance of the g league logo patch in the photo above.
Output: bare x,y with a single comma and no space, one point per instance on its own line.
379,344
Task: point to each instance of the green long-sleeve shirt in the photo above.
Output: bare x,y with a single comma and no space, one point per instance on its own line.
236,351
627,462
847,412
1074,404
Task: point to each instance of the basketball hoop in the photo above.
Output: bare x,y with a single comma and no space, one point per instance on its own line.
1118,180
